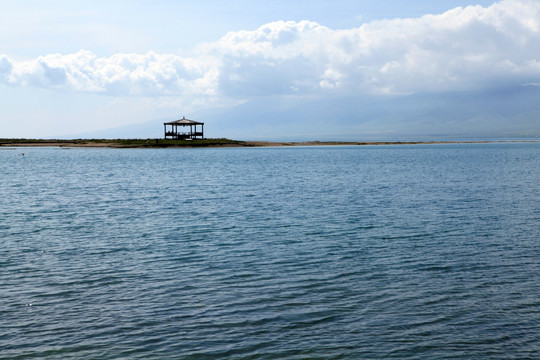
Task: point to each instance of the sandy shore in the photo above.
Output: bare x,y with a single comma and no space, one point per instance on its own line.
337,143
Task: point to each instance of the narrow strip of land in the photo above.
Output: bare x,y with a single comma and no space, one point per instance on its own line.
168,143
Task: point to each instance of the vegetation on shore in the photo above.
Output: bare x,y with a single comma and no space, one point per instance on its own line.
219,142
125,143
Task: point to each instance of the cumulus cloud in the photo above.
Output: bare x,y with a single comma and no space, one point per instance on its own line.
122,74
464,48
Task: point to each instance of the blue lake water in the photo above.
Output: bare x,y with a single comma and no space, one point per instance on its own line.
366,252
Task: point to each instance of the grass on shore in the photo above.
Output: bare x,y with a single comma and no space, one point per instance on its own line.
218,142
124,142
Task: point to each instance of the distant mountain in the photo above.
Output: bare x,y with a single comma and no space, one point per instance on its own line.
501,113
150,129
510,112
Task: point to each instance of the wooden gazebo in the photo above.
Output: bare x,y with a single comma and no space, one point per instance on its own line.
172,130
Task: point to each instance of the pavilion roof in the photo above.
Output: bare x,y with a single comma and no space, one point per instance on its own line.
183,121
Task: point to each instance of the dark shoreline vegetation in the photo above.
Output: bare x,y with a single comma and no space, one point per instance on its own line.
217,142
123,143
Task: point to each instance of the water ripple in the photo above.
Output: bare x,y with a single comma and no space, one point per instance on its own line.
408,252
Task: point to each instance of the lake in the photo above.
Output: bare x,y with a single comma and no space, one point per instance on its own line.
345,252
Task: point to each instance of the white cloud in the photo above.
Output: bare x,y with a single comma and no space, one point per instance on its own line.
464,48
122,74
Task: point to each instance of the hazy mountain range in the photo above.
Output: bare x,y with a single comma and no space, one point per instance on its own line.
502,113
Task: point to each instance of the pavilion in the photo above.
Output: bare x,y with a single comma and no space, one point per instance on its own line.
172,130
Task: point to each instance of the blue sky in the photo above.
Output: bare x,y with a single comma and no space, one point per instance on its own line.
33,28
71,67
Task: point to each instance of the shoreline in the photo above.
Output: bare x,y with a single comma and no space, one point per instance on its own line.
214,143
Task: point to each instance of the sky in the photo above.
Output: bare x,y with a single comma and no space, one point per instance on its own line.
260,69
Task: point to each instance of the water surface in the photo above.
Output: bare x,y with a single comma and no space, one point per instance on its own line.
407,252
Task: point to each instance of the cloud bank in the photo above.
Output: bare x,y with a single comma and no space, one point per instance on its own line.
462,49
